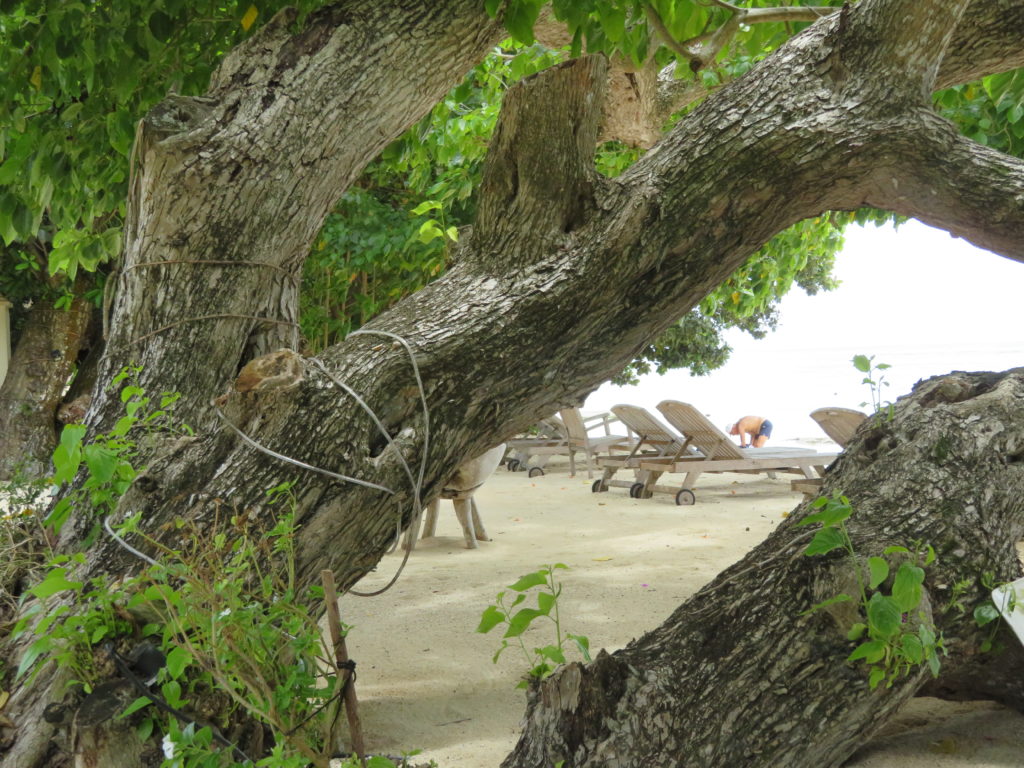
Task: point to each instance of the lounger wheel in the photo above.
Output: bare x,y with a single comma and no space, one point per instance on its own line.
512,465
635,490
686,497
535,472
598,487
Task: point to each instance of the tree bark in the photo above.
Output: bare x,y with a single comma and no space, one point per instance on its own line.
564,277
229,190
739,675
41,364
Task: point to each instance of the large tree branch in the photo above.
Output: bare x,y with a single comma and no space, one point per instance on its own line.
232,188
912,37
933,173
986,40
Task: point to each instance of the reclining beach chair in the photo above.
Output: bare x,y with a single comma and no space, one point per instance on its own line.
654,442
545,435
579,440
839,424
720,454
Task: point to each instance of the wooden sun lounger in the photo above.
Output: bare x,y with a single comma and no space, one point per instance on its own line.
719,454
573,437
839,424
654,443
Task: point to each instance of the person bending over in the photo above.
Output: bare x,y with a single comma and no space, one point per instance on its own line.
754,431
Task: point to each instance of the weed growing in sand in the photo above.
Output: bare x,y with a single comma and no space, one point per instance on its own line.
542,660
866,364
896,634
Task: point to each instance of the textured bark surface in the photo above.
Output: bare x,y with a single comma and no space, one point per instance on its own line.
229,190
41,363
564,276
738,676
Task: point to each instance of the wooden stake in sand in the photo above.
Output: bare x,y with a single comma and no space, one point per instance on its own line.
342,666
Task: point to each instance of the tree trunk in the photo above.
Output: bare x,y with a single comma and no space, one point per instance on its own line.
563,278
229,190
41,364
740,675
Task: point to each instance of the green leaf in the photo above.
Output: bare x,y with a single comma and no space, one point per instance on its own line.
140,703
912,648
429,231
101,462
856,631
546,601
906,588
884,616
55,581
530,580
490,618
161,26
426,205
834,512
551,652
172,693
59,514
72,435
877,675
34,651
520,18
879,571
862,363
99,633
825,541
871,651
582,642
177,659
521,622
491,6
985,612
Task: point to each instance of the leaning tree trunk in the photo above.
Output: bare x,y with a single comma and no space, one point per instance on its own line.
564,277
742,675
41,364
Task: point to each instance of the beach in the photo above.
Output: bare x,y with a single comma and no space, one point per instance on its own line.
426,680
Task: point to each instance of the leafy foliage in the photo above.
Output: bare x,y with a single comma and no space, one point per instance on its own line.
78,77
223,613
874,377
896,635
990,112
544,659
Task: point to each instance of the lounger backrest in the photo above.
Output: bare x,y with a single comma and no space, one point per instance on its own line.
840,424
575,429
650,430
709,439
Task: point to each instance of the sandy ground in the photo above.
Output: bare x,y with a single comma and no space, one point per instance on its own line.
425,677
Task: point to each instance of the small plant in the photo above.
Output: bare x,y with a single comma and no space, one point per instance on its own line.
890,644
543,660
108,458
875,380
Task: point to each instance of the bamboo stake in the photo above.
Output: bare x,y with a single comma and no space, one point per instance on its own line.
355,728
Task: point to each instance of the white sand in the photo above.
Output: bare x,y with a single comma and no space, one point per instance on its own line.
425,677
